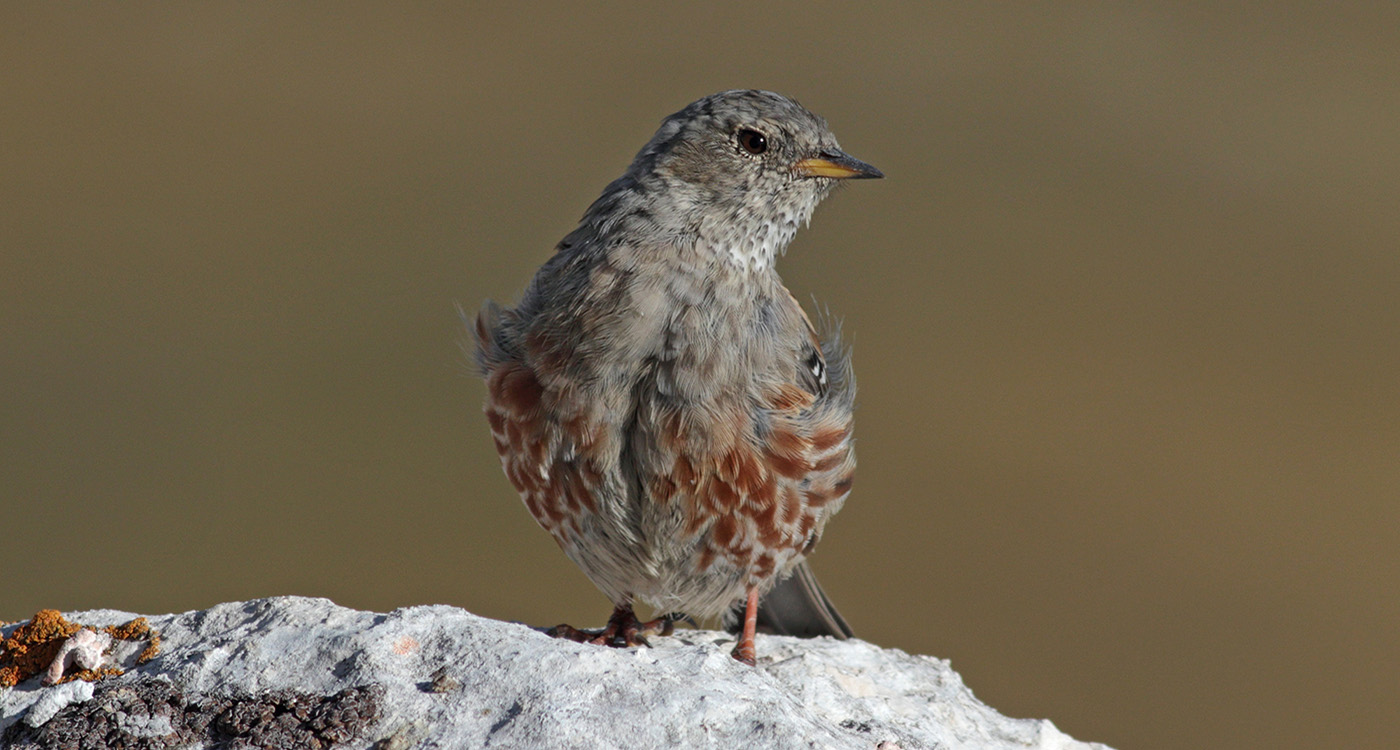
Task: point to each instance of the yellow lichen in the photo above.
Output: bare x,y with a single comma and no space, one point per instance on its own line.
32,647
137,630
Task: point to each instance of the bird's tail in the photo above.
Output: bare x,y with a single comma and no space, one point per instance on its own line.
797,606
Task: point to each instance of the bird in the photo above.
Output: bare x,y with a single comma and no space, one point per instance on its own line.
661,402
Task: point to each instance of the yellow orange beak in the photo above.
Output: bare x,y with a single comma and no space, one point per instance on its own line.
836,165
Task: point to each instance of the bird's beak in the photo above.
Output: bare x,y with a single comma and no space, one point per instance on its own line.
837,166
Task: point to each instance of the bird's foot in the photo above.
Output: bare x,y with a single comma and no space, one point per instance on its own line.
744,652
623,630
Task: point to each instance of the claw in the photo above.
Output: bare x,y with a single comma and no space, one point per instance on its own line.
623,630
571,633
744,652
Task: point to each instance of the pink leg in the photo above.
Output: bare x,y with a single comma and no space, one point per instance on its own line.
744,649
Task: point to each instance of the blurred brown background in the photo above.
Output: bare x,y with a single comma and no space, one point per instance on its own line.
1124,313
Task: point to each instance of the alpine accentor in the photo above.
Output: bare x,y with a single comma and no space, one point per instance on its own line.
662,403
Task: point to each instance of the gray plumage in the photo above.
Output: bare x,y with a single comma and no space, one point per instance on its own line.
660,400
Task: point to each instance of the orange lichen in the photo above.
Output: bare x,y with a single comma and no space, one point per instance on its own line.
32,647
137,630
91,675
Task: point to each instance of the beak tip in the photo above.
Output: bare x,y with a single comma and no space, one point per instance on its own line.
839,166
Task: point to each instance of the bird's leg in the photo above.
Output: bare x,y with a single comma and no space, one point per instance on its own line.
623,629
663,625
744,649
666,624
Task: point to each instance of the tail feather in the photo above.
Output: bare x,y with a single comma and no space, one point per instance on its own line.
797,606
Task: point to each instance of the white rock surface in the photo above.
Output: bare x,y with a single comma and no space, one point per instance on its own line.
297,672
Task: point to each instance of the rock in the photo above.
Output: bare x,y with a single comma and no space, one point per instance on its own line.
304,673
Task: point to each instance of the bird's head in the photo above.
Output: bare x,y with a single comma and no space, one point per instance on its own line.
743,167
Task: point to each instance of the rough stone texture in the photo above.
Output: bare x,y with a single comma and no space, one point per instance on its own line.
152,714
294,672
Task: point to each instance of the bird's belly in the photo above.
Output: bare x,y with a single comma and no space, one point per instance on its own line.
649,547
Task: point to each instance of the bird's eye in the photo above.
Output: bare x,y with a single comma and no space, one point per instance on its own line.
753,141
